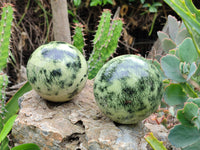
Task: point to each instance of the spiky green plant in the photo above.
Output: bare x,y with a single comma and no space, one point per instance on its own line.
5,32
78,38
105,41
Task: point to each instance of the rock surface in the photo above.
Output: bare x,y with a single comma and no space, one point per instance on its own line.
77,125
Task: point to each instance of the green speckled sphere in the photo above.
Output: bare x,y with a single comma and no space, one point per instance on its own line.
57,71
128,89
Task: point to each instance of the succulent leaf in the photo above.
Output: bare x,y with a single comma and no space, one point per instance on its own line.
170,66
187,51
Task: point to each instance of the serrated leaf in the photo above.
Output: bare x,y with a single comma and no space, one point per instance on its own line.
170,66
174,95
187,51
182,136
168,44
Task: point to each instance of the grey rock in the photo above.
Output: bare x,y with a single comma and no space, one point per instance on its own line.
76,125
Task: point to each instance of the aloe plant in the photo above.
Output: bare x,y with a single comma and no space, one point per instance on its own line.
105,41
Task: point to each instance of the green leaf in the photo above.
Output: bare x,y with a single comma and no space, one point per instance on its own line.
157,4
182,136
187,51
146,5
183,120
95,2
162,35
27,146
181,35
173,26
190,111
155,144
4,145
142,1
153,9
196,121
12,105
194,146
7,127
194,100
170,66
190,16
77,2
193,68
189,90
107,1
174,95
168,44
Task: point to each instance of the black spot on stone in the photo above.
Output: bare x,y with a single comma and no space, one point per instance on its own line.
33,80
95,86
56,73
85,75
48,89
56,93
61,84
68,65
101,89
128,91
73,93
59,42
77,85
38,88
70,84
73,76
81,79
71,47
